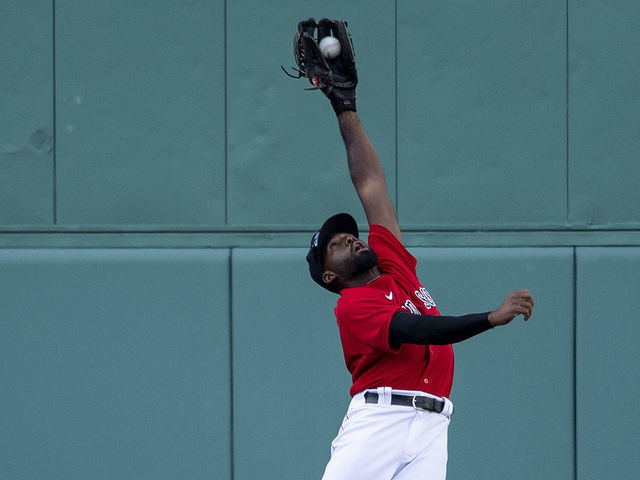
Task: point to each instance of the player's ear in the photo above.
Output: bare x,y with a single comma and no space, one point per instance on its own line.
328,276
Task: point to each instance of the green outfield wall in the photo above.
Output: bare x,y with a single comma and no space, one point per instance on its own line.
160,180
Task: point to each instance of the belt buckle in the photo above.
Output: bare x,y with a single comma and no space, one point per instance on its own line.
427,406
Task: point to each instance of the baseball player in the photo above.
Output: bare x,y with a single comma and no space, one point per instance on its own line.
396,344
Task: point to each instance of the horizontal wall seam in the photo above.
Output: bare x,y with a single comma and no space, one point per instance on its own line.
300,239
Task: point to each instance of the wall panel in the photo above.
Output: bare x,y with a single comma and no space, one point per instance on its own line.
604,112
481,113
140,112
290,384
276,176
26,113
114,364
608,364
513,390
498,389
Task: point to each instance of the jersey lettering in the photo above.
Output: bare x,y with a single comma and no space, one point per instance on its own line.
425,296
408,305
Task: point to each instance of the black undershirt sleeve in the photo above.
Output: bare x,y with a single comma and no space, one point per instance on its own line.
435,329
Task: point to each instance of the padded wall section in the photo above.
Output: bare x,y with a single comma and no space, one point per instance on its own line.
608,364
26,113
513,390
604,112
481,113
290,384
114,364
287,162
140,112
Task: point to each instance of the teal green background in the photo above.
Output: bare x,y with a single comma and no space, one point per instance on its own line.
160,179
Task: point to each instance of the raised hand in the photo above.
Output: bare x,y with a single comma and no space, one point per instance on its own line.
516,303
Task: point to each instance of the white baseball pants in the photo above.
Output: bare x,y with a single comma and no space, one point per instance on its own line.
383,441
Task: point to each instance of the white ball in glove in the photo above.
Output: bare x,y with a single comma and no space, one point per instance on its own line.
330,47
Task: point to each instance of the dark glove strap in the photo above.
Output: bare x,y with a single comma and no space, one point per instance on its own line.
342,99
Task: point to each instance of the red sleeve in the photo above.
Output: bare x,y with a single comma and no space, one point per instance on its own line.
364,321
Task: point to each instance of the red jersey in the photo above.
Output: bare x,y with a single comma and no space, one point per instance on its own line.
364,314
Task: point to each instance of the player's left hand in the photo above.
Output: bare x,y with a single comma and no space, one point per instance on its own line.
516,303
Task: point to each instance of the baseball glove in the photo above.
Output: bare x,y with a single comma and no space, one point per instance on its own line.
336,77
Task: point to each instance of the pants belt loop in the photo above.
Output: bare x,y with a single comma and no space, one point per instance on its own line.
448,407
384,395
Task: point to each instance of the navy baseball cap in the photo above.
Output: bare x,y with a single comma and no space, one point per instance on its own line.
340,223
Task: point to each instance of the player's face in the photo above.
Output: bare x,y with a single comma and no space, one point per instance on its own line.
348,256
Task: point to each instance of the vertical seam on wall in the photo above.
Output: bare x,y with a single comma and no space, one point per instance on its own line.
567,219
53,148
226,145
395,55
575,362
231,412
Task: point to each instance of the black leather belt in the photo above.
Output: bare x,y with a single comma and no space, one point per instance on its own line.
420,402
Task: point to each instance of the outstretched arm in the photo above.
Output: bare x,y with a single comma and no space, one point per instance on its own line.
336,76
367,174
407,327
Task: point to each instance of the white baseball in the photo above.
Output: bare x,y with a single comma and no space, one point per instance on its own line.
330,47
